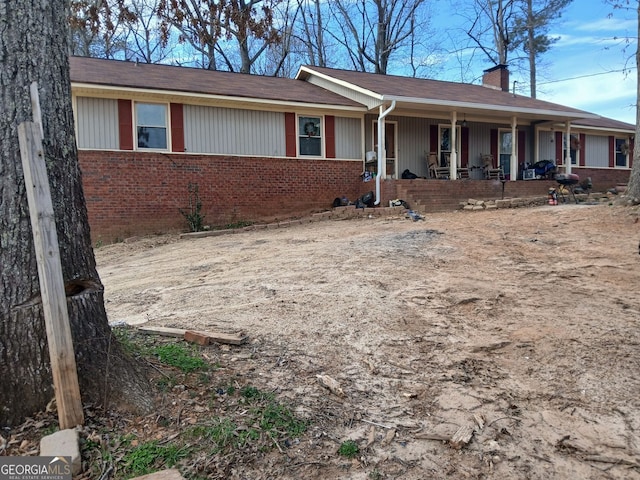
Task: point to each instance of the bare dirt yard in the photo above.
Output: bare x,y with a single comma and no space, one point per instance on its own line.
499,344
516,329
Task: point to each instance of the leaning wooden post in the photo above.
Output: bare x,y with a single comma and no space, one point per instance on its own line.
54,300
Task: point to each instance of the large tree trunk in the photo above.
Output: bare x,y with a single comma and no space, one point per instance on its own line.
633,190
33,47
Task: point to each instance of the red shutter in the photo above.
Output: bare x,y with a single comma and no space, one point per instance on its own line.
433,139
612,152
632,146
125,124
290,134
464,159
493,138
177,127
583,155
559,149
330,136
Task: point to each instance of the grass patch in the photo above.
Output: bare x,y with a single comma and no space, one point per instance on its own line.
178,356
348,449
150,456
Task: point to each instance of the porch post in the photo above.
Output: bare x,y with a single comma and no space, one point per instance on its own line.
567,149
453,160
514,155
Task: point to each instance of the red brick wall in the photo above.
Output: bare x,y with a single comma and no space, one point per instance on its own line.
134,193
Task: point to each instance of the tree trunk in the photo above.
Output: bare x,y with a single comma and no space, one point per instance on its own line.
33,47
633,189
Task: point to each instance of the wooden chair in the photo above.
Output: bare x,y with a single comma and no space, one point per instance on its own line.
463,173
490,171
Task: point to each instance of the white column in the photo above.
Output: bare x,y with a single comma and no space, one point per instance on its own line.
567,149
453,160
514,154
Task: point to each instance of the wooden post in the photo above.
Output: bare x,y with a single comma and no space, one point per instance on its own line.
54,300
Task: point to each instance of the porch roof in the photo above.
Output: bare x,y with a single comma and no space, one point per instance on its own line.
420,95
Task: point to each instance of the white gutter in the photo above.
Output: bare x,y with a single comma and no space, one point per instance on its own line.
382,152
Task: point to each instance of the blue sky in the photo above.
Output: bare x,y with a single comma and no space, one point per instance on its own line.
603,73
587,68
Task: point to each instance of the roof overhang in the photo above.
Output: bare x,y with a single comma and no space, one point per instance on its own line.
196,98
482,109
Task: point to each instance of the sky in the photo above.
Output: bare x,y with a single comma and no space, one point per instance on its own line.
588,67
602,72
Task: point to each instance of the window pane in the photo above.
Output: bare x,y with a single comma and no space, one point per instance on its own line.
152,137
310,146
310,136
151,115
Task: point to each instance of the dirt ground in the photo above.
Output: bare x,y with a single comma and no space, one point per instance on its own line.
519,327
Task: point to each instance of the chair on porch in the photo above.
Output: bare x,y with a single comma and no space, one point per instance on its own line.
435,170
490,171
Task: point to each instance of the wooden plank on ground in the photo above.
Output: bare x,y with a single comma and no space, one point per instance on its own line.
163,331
54,299
462,436
218,337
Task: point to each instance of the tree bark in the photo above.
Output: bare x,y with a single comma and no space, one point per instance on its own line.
33,47
633,189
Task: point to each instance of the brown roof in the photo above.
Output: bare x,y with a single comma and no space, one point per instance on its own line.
606,123
391,86
124,74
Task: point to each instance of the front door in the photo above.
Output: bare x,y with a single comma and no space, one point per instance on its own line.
389,143
504,149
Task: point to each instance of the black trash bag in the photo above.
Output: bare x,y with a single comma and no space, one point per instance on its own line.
408,175
366,200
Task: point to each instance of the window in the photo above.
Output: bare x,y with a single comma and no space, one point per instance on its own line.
505,148
574,147
310,136
622,152
445,144
151,126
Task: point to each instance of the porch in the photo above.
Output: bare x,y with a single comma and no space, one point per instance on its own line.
427,195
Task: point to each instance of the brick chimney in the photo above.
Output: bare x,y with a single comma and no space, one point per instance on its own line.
497,78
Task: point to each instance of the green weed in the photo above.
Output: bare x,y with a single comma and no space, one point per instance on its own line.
178,356
147,457
348,449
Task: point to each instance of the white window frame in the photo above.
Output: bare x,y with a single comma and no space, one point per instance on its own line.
136,125
566,147
501,132
447,126
618,142
300,135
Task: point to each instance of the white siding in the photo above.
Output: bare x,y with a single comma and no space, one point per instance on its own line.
229,131
547,146
97,120
348,142
597,151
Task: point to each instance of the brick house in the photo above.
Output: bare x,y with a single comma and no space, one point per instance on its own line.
263,148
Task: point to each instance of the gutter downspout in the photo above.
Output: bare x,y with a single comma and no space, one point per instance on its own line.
382,151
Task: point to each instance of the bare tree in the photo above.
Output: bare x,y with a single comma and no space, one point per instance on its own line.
207,25
490,28
633,7
34,46
373,30
142,36
530,31
97,27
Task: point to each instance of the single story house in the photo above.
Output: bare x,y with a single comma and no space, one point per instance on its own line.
264,148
